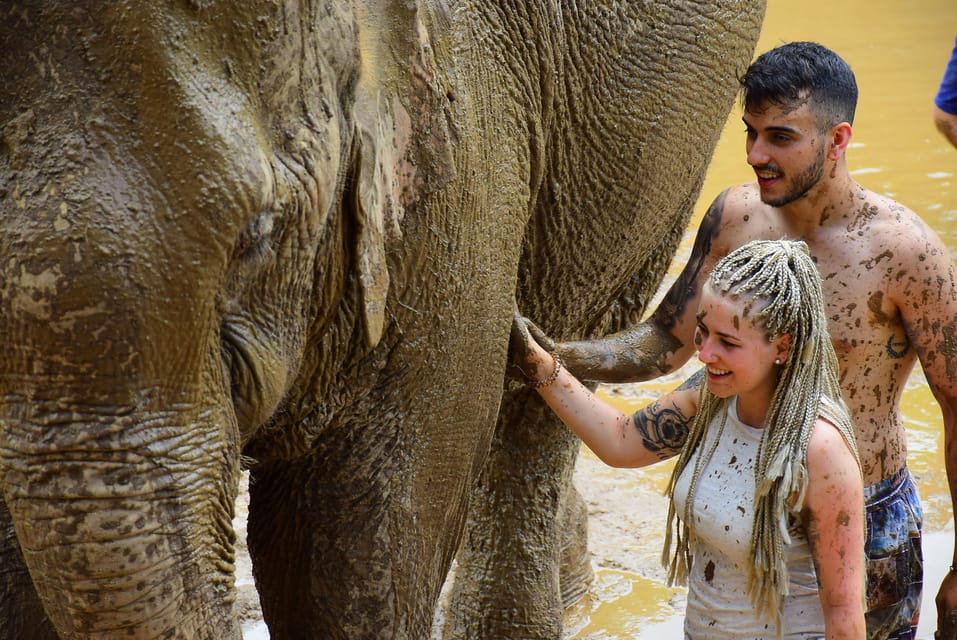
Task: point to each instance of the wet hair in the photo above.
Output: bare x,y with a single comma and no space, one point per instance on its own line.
799,73
781,293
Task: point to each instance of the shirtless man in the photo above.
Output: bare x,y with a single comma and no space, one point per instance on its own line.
890,288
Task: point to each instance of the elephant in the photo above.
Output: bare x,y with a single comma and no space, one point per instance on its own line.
290,236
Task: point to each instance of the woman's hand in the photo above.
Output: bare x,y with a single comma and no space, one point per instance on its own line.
529,350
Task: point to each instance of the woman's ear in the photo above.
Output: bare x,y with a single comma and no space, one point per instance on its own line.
782,345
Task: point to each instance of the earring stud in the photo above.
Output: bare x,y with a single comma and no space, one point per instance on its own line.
777,361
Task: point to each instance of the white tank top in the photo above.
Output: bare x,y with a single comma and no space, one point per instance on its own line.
723,511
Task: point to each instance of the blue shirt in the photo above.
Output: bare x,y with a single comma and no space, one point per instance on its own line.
946,98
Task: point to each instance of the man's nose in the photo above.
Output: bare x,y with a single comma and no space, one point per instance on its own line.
757,155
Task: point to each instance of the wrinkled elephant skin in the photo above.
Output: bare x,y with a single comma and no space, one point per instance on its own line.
291,236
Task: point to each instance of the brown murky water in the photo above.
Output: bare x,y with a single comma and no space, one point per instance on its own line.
898,49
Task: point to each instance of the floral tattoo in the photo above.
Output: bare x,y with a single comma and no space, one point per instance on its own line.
664,429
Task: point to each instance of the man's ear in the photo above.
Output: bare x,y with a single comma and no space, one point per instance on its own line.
838,140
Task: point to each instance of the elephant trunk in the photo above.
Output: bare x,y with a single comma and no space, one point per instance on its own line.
118,454
106,527
115,492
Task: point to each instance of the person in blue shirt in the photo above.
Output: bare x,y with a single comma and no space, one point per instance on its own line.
945,102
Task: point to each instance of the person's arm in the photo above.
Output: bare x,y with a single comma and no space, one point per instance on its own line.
654,433
946,123
663,342
834,516
927,301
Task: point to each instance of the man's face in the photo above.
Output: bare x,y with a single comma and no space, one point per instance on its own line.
787,152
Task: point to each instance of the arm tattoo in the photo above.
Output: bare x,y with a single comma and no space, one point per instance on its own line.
683,290
694,381
663,429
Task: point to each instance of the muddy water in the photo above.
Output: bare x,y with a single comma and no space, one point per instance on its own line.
898,49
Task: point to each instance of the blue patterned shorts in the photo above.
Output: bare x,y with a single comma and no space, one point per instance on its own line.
895,563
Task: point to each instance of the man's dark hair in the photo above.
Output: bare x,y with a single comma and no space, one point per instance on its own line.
800,73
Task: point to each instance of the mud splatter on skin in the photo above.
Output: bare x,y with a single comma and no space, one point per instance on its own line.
947,347
864,216
941,283
825,216
874,304
873,262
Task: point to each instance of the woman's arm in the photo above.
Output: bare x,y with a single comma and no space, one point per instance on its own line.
654,433
834,513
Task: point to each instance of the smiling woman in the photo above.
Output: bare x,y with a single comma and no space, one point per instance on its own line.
757,474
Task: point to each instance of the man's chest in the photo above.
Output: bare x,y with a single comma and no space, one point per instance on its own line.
868,334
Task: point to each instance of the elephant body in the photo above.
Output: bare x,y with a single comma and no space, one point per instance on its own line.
291,235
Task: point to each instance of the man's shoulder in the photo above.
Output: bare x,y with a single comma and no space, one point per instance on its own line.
885,220
743,216
743,196
880,207
889,233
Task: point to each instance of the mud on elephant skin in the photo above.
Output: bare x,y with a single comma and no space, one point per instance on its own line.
291,235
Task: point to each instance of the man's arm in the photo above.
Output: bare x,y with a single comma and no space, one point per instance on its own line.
928,305
663,342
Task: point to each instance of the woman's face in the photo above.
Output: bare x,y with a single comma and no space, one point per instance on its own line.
739,359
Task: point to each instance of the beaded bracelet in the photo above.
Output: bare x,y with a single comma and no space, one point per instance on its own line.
541,384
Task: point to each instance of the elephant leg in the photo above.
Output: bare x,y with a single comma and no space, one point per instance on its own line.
575,569
318,538
21,612
499,587
286,550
